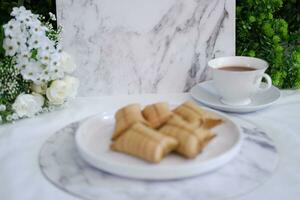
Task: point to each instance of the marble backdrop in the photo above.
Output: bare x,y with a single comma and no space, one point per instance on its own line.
145,46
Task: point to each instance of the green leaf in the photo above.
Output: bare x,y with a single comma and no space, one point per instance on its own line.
20,2
34,53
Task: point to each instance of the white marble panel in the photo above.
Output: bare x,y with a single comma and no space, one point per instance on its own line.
145,46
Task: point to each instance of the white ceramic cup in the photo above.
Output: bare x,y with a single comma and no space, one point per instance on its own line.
237,87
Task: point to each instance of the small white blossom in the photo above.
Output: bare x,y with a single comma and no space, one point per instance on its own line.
44,57
51,108
47,45
12,28
17,11
21,42
9,118
22,62
52,16
34,42
55,61
2,107
32,71
45,109
56,73
10,46
35,27
14,116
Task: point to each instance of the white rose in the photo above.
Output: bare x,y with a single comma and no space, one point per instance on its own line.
40,89
58,92
67,63
72,85
39,98
27,105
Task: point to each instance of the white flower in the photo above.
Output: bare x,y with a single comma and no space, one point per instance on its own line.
10,46
32,71
67,63
22,47
52,16
8,117
12,28
61,90
72,86
17,11
34,42
47,45
25,33
2,107
27,105
14,116
55,61
35,28
57,93
39,88
39,98
59,47
22,62
44,56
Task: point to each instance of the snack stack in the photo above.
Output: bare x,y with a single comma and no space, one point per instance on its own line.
156,131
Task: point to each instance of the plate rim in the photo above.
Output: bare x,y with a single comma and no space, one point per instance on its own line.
210,164
229,108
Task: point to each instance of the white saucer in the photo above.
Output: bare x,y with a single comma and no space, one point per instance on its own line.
93,139
206,94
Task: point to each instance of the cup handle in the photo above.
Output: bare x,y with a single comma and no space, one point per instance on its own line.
269,82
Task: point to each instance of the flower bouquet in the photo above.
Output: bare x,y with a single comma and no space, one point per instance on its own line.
33,69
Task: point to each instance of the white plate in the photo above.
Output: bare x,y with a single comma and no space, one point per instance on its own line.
207,94
93,141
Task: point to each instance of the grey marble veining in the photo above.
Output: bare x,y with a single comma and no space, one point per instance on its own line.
62,165
145,46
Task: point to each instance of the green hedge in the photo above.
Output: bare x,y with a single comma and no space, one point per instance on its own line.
270,29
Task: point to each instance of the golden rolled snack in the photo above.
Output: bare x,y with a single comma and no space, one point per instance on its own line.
126,117
193,113
204,137
145,143
157,114
183,132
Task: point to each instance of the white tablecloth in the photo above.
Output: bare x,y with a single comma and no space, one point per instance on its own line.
21,178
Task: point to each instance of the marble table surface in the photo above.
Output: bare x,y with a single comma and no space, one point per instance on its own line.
21,178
